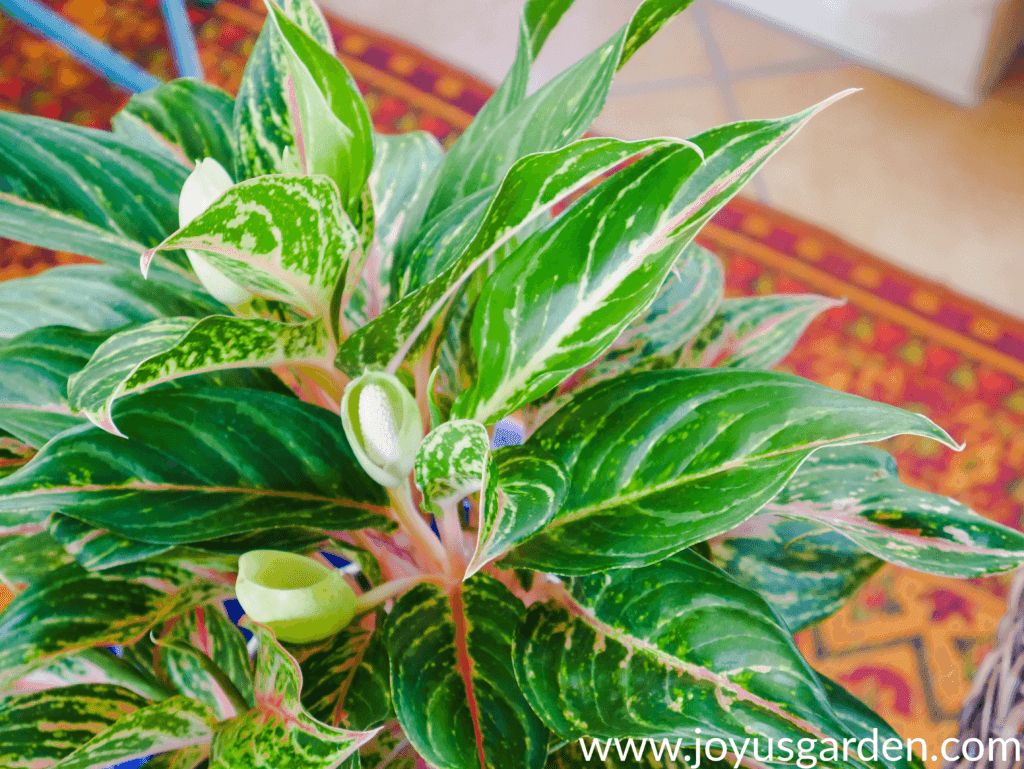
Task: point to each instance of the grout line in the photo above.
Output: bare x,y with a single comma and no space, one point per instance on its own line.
825,62
725,89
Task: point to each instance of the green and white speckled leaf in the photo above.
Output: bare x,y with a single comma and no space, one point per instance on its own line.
171,348
97,298
282,237
93,192
403,165
330,123
96,549
39,729
531,189
34,371
525,487
755,332
452,680
857,492
279,732
664,459
84,609
262,125
555,115
564,297
451,461
173,724
207,630
663,650
806,572
192,118
195,471
347,683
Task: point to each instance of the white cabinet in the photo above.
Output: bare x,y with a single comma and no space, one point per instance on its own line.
955,48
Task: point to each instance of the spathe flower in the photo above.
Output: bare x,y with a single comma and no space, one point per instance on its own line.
203,186
383,425
298,598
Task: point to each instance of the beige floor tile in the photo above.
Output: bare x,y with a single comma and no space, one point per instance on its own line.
680,112
915,180
746,42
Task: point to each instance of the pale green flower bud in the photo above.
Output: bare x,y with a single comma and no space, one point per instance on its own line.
383,426
203,186
300,599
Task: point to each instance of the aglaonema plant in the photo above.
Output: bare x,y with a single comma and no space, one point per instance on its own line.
310,365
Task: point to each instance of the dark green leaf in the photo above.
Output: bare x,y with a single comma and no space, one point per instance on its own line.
663,459
202,464
34,371
186,113
41,728
805,572
97,298
857,492
666,649
453,685
348,683
71,609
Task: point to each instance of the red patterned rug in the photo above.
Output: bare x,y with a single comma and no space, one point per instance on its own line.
909,643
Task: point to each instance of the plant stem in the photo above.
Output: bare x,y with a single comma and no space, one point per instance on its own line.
416,528
381,593
422,377
450,527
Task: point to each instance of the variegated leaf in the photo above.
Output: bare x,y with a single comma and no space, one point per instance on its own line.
34,371
89,192
857,492
92,666
524,489
451,461
348,683
664,650
204,464
570,290
96,549
207,631
39,729
263,129
282,237
97,298
527,194
807,573
27,557
663,459
85,609
173,724
553,116
686,302
441,240
403,165
186,758
171,348
279,732
452,680
330,123
192,118
755,332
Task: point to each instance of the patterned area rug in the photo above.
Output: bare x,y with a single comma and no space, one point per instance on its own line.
909,643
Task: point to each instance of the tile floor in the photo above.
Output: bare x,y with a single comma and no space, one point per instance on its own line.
918,181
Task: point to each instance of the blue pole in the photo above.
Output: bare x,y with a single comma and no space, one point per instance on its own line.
183,40
91,52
